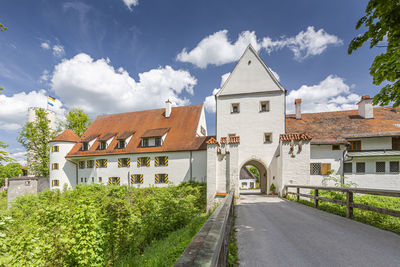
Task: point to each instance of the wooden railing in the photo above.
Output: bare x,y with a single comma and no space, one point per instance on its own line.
349,203
210,246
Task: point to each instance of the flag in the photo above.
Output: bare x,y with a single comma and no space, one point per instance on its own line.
51,104
51,98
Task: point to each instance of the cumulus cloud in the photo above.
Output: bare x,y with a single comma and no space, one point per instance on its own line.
209,101
58,50
131,3
14,109
97,87
45,45
331,94
217,49
45,76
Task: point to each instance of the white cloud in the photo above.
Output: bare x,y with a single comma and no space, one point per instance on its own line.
331,94
45,76
131,3
209,101
304,44
14,109
45,45
217,49
58,50
97,87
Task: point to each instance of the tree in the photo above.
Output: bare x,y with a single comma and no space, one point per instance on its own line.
9,170
35,137
76,120
2,27
255,172
382,21
4,155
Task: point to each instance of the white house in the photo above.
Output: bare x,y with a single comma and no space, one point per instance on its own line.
155,146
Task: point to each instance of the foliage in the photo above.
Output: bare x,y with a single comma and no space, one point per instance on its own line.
76,120
337,179
233,257
4,155
272,188
382,221
382,21
95,225
9,170
35,137
255,172
167,251
2,27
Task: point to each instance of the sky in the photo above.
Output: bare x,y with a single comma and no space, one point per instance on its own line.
112,56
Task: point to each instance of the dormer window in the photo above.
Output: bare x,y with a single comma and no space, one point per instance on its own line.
154,137
121,144
85,146
158,141
102,145
145,142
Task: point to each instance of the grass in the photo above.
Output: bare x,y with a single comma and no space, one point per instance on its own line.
3,200
167,251
233,257
385,222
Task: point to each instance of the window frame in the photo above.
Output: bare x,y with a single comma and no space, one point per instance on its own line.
348,164
139,159
55,182
335,147
102,163
266,104
85,146
55,149
81,164
270,138
55,166
312,164
157,176
90,166
157,161
360,164
235,106
124,162
102,145
376,167
122,141
352,145
137,178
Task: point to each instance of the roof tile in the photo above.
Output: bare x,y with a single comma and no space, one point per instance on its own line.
66,136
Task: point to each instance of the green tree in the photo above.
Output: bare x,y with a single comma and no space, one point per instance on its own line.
4,155
10,170
382,21
35,137
2,27
76,120
255,172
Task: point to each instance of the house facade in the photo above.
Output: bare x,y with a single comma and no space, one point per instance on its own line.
157,147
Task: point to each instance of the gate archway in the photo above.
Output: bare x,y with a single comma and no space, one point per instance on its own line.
262,174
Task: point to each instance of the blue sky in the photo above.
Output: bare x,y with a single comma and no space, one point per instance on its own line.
114,56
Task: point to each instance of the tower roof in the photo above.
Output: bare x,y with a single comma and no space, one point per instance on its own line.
66,136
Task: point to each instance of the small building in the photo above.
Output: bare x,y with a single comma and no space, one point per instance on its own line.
247,179
25,185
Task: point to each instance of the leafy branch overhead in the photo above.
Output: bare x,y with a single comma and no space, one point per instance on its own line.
382,22
2,27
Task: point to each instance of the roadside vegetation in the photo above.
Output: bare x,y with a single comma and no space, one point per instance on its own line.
97,225
382,221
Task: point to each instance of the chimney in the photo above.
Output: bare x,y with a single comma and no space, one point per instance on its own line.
168,108
365,108
297,104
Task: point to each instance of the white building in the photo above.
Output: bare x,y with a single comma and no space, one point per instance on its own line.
252,129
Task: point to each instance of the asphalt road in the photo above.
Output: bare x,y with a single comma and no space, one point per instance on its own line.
277,232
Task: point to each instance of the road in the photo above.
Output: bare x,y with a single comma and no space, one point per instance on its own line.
276,232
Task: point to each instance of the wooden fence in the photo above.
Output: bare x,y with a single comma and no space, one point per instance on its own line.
349,203
210,246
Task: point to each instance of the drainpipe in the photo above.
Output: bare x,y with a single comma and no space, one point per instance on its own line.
190,165
343,157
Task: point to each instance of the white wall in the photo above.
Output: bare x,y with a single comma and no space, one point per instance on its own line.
66,173
202,123
178,168
325,154
374,143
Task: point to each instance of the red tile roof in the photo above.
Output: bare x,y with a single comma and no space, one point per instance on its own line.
66,136
295,137
212,141
155,132
182,125
234,140
334,127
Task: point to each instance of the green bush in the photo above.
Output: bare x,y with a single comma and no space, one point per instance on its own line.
94,225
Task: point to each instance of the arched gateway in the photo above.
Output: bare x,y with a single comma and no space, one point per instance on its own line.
260,178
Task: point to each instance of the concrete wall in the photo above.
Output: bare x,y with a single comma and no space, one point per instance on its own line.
178,168
25,185
375,143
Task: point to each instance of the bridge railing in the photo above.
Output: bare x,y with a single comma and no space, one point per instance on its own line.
210,246
349,203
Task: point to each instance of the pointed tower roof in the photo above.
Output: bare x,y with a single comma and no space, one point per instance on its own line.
66,136
250,75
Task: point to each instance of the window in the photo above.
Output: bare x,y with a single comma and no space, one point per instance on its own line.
335,147
320,168
348,167
85,146
235,108
137,178
360,167
121,144
231,135
27,183
355,145
100,180
161,178
145,142
54,166
143,161
158,141
380,167
55,183
81,179
81,164
90,163
124,162
92,179
102,145
267,137
161,161
85,179
394,166
114,181
244,183
101,163
396,143
203,130
264,106
55,149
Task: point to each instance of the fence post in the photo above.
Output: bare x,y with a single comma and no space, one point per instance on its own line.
349,201
316,198
298,194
